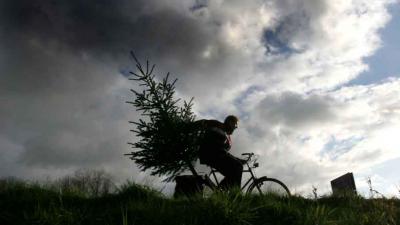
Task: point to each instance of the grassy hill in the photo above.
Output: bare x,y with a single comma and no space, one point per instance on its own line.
23,203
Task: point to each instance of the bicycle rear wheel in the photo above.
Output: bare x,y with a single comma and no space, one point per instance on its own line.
265,185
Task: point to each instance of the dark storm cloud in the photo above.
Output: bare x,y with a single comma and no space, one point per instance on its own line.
79,24
61,94
36,35
53,47
104,27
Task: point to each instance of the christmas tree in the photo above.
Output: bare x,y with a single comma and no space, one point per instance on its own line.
168,136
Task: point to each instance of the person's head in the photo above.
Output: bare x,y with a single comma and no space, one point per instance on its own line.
230,124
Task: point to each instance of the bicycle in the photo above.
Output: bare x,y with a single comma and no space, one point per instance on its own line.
254,185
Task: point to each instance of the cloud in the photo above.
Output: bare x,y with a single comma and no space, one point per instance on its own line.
313,139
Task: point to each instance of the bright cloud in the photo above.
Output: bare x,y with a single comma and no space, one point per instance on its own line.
351,128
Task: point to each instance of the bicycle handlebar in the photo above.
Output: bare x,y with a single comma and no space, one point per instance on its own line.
248,155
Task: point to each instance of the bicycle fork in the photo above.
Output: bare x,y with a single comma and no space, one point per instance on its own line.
253,178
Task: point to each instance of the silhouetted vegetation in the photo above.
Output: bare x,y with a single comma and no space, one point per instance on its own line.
167,142
28,203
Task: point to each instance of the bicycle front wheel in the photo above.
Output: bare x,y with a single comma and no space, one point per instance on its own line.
265,185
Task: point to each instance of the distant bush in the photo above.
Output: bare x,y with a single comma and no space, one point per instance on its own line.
88,183
136,191
11,183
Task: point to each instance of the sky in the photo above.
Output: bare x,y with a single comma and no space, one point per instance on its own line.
316,84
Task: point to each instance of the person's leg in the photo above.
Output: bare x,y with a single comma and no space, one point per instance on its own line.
231,168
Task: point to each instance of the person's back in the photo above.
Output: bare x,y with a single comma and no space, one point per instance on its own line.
213,143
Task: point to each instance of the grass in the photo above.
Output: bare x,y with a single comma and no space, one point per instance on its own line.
131,204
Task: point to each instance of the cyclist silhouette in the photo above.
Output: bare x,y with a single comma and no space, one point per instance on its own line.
214,148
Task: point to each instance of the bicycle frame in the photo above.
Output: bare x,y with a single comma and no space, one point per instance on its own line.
249,170
253,183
